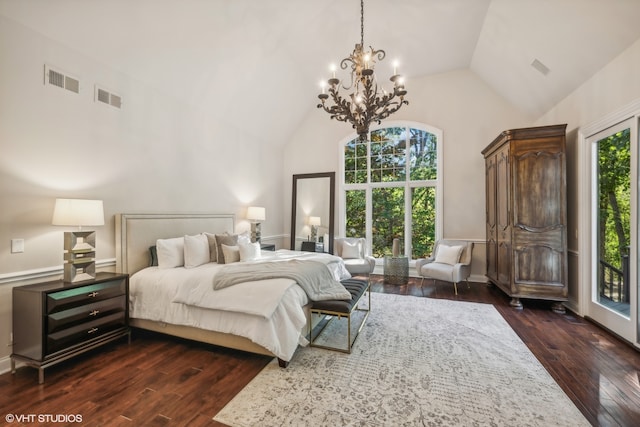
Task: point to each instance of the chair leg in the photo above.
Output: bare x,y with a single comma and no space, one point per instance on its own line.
422,281
455,287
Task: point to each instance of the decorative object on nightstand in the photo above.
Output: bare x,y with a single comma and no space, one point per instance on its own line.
56,320
314,222
79,246
255,214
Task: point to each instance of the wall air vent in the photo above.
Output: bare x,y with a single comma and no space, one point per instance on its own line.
107,97
61,79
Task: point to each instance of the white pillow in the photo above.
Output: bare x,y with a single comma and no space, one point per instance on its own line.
448,254
244,237
196,250
170,252
350,250
231,253
249,251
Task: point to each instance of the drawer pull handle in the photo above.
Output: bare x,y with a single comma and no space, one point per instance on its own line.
93,294
94,313
92,331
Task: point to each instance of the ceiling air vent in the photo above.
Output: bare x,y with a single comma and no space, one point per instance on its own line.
538,65
106,97
61,79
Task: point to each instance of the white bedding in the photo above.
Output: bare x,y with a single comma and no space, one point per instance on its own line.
268,312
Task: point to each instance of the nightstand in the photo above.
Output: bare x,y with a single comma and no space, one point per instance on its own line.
312,247
56,320
267,247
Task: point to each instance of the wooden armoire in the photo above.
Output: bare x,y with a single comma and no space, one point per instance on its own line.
526,212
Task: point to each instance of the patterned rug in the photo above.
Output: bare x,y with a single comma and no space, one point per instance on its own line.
417,362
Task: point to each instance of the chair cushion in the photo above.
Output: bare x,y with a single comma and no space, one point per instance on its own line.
448,254
357,266
439,271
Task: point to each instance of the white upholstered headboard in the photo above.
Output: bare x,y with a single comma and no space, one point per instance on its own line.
135,233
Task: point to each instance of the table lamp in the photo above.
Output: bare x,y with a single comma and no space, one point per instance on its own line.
314,222
255,214
79,246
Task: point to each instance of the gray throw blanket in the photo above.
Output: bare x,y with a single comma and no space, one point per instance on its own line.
312,276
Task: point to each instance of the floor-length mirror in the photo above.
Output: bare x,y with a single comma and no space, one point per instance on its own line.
312,212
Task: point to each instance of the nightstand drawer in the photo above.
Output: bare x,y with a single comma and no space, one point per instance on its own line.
66,338
62,300
85,313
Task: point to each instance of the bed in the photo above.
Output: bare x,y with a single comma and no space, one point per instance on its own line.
177,301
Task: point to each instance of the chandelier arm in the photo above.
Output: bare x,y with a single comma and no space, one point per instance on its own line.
361,22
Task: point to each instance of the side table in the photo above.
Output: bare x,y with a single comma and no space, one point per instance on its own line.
396,270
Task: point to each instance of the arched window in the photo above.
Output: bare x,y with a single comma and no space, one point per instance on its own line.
391,188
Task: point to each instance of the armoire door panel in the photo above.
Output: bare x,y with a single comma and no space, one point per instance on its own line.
540,205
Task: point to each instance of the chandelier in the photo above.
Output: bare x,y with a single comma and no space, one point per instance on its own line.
367,103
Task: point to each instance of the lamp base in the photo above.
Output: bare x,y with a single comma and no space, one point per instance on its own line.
77,273
79,256
256,234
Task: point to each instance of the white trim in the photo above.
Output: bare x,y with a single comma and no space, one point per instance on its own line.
5,365
49,272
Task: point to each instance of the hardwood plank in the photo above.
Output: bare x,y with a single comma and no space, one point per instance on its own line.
166,381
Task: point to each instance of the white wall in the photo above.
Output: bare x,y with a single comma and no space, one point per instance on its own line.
470,114
154,155
612,88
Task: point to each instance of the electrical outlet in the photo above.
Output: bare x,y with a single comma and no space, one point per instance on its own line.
17,246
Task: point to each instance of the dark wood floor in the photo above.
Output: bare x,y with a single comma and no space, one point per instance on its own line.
171,382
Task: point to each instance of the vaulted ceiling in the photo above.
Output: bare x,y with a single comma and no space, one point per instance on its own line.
264,59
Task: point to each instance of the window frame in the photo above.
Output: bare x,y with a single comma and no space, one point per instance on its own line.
407,185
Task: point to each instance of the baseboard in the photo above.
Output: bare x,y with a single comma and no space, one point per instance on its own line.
5,365
479,278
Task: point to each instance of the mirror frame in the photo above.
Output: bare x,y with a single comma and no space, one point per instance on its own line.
294,202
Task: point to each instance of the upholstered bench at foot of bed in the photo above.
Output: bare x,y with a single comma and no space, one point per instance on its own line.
337,309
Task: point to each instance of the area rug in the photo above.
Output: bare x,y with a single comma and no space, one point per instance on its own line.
417,362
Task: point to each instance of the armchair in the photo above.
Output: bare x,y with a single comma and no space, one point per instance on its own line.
450,262
352,251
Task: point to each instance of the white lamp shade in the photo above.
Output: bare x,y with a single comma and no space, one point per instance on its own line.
314,220
78,212
255,213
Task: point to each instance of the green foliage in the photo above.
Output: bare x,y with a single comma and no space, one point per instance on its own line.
614,184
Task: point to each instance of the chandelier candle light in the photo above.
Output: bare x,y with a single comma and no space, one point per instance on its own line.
367,103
